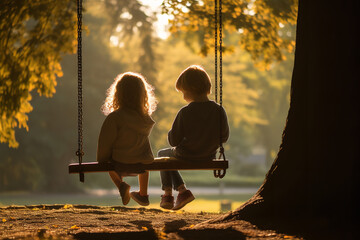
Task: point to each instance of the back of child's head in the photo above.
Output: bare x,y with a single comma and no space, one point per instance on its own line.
130,90
195,80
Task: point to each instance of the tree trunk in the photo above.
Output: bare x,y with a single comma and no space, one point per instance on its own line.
313,182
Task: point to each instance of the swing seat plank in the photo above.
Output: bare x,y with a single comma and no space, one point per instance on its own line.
159,164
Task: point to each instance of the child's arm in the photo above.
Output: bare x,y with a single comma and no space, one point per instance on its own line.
225,126
107,138
175,135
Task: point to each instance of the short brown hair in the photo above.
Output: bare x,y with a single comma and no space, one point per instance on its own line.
195,80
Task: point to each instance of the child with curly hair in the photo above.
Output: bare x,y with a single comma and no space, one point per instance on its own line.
124,135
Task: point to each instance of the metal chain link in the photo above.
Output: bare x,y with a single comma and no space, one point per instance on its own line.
221,76
219,13
218,24
216,49
80,151
220,51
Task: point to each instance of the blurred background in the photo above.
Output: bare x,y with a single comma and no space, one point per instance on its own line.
158,39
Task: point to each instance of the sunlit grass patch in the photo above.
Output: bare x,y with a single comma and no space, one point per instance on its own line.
202,205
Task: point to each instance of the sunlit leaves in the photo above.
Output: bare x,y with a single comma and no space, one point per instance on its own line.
34,35
67,206
257,21
74,227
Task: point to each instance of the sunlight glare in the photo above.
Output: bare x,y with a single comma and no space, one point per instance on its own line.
118,28
126,15
250,9
182,8
162,19
249,12
139,24
114,40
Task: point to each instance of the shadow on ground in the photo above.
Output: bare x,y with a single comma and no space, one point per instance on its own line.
208,234
211,234
151,235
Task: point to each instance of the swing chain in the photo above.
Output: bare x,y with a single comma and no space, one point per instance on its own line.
216,49
220,54
80,152
218,41
220,173
218,12
220,78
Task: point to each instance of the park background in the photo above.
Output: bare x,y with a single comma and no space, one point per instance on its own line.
256,98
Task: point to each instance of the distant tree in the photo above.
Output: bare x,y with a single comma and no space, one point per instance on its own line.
33,38
129,20
273,87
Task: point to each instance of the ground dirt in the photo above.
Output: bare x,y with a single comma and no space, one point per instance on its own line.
115,222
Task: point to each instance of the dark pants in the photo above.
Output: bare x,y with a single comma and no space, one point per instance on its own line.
169,179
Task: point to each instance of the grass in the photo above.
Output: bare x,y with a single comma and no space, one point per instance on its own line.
202,203
205,205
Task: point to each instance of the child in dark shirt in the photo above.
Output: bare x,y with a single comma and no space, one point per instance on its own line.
195,133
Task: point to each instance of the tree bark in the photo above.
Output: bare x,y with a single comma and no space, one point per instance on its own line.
313,182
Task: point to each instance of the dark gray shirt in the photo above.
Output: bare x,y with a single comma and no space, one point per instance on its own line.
195,133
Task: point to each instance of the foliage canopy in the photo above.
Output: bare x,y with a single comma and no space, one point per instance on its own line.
259,23
34,35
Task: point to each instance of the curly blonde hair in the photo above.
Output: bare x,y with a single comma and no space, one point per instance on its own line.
130,90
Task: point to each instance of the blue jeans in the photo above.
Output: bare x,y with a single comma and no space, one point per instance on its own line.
169,179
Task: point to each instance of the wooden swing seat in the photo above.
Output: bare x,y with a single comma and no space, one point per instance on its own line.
159,164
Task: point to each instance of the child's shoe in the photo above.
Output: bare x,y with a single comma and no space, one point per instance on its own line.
167,201
142,200
183,199
124,192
